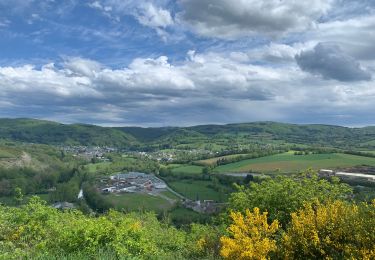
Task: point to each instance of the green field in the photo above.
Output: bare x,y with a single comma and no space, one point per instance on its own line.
212,161
288,162
136,201
189,169
94,167
194,189
170,195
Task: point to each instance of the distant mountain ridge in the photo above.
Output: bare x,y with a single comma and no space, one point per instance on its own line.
47,132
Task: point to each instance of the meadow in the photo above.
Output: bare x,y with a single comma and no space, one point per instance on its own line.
187,169
139,202
212,161
193,189
288,162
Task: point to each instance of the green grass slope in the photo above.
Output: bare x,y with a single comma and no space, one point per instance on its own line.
288,162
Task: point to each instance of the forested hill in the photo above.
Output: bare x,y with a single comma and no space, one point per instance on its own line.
326,135
40,131
47,132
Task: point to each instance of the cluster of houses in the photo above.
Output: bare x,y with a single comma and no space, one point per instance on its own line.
205,206
133,182
348,175
89,152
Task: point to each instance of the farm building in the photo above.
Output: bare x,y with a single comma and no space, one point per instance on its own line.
134,181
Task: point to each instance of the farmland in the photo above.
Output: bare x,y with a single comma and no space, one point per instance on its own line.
214,160
288,162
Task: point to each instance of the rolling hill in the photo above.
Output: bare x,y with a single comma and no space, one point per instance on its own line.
47,132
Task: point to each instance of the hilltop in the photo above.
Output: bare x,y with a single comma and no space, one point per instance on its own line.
47,132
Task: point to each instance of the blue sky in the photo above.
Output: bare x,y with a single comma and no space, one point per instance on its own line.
186,62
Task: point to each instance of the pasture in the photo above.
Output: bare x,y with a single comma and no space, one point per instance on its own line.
288,162
197,189
212,161
139,202
188,169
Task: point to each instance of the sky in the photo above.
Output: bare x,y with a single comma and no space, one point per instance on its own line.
188,62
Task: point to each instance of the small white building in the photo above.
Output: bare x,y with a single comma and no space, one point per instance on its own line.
326,173
130,189
160,185
109,189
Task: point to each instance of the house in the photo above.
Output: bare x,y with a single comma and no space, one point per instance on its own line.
160,185
63,205
109,189
129,189
326,173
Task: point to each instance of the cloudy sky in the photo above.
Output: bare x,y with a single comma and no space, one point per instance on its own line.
185,62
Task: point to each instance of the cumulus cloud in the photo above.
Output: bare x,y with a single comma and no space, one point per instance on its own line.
230,20
355,35
79,86
205,88
155,17
82,67
331,62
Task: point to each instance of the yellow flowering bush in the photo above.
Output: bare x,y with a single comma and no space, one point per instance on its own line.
335,230
251,237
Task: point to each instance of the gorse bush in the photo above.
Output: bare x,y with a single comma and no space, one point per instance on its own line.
333,230
251,237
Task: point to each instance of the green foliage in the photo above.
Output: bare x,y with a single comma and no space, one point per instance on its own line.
36,231
18,196
281,196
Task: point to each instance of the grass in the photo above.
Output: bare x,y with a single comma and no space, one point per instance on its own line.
197,188
94,167
137,201
212,161
189,169
183,216
288,162
170,195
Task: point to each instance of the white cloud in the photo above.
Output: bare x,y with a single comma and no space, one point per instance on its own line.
4,22
82,67
154,17
355,36
229,19
146,13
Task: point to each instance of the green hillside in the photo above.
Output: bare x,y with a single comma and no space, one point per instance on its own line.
46,132
222,136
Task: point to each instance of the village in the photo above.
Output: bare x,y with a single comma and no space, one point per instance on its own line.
133,182
138,182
